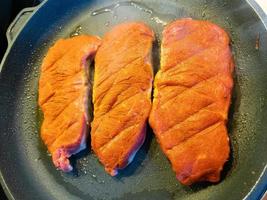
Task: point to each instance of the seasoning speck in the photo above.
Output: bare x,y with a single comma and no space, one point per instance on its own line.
257,46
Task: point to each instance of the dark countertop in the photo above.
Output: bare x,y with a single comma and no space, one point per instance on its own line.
2,194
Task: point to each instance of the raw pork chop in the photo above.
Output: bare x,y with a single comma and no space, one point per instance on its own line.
191,99
121,94
63,97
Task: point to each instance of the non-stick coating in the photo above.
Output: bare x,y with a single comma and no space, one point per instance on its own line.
25,165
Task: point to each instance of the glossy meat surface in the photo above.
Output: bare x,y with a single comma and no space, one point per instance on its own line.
191,99
121,94
63,97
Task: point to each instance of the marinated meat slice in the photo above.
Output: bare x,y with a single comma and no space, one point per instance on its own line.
63,97
121,94
191,99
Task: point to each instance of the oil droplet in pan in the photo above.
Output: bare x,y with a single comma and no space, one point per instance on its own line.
157,17
107,23
76,32
158,20
110,8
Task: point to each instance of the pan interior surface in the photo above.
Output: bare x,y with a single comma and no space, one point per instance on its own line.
27,167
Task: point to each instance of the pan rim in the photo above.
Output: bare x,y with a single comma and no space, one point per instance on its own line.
3,183
262,180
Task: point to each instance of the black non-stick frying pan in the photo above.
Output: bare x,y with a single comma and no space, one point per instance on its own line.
26,168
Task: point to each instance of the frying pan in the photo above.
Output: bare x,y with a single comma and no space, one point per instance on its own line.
26,168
